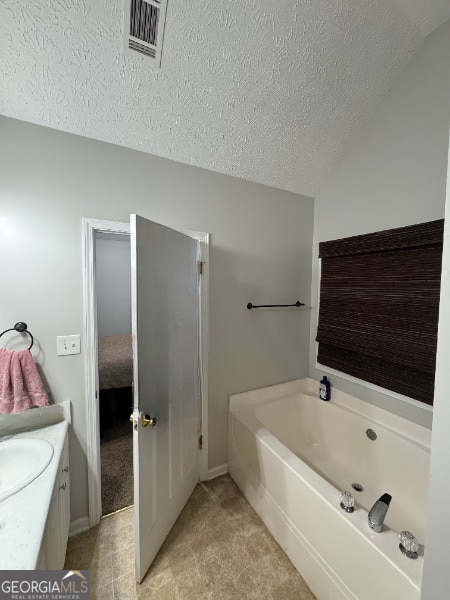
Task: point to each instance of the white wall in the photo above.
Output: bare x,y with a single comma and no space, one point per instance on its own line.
436,572
113,278
261,253
394,175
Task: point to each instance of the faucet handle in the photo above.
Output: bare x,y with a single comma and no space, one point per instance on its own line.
408,544
347,502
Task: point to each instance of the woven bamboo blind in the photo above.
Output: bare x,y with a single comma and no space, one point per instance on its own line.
379,307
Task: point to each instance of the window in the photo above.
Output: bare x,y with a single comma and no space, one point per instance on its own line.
379,307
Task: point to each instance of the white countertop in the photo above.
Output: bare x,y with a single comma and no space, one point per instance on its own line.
24,514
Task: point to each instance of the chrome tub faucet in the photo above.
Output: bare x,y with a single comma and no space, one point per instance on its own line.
377,513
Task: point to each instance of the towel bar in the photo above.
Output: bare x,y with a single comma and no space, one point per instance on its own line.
250,305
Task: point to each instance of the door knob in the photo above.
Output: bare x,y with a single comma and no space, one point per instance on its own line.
147,420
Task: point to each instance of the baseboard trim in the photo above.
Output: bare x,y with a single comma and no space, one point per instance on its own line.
78,526
217,471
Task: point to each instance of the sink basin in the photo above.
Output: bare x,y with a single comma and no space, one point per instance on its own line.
21,461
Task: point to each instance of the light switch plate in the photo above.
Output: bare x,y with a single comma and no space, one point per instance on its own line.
68,344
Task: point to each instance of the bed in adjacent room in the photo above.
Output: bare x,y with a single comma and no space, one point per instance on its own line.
115,375
115,361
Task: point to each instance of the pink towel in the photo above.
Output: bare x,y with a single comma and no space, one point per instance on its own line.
20,383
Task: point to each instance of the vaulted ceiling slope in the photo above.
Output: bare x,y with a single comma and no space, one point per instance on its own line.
268,91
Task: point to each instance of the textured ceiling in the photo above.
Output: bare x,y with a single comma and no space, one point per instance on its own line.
269,91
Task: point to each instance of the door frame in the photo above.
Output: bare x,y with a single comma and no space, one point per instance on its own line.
90,227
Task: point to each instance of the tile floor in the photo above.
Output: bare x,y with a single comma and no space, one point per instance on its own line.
218,549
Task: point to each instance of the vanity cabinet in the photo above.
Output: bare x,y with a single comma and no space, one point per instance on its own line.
54,543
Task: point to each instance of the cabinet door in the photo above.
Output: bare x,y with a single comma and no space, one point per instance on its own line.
51,544
54,544
64,493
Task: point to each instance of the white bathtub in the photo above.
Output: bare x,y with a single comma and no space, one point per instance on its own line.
292,455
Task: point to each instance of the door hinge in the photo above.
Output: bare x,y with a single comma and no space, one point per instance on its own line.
200,442
200,267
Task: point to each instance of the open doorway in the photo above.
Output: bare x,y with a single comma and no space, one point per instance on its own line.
115,369
93,228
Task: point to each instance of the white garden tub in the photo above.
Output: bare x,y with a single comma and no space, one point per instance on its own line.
292,454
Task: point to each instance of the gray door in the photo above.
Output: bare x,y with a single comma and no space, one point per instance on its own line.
166,381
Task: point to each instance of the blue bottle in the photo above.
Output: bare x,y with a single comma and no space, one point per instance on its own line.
325,389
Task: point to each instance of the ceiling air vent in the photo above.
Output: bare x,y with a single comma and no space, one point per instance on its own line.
144,27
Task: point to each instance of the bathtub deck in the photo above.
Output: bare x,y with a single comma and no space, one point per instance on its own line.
218,549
